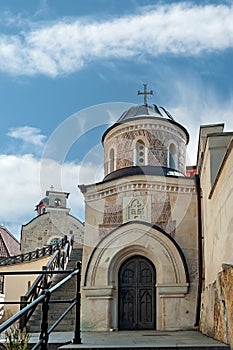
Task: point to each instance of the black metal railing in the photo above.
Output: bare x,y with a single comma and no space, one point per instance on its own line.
44,298
58,261
26,257
1,284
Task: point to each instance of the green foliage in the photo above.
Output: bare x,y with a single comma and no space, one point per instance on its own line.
16,339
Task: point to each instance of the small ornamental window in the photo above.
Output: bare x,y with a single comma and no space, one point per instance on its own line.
140,153
57,202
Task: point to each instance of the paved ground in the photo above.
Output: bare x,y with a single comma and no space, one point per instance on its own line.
136,339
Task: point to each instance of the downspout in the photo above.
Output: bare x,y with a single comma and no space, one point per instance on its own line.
200,255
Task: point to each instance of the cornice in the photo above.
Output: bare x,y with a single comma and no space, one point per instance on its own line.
142,125
127,187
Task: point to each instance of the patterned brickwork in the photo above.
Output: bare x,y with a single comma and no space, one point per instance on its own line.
156,141
160,211
112,215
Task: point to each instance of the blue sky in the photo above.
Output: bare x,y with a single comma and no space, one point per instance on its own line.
60,58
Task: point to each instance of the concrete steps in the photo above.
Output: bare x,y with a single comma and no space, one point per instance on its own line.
65,292
143,340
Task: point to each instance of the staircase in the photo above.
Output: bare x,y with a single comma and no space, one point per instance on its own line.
65,292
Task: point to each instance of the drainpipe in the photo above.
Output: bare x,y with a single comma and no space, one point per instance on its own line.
200,255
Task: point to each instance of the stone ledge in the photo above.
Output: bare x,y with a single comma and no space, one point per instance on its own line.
98,292
172,290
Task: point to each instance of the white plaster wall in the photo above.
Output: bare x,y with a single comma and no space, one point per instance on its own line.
218,218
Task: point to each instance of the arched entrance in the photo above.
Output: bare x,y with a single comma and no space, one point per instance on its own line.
136,302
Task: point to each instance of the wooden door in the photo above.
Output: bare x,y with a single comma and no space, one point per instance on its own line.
137,294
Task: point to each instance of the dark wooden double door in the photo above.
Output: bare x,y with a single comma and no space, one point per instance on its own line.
137,294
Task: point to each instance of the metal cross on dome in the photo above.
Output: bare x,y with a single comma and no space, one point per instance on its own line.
145,93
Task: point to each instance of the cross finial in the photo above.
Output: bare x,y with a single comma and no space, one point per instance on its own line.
145,93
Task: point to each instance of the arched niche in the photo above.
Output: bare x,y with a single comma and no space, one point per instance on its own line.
137,238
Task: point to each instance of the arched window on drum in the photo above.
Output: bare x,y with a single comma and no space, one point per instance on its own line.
111,162
172,156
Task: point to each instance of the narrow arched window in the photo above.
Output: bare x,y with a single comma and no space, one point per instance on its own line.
111,161
140,153
172,156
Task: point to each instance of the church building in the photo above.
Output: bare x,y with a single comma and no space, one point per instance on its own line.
52,223
140,266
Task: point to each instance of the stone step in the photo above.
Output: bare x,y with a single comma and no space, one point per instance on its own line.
126,340
170,347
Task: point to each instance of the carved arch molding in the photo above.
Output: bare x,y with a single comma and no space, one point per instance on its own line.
137,238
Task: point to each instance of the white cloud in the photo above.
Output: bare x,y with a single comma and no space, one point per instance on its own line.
194,105
22,187
28,134
69,44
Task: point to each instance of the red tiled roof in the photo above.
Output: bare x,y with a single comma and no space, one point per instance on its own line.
9,245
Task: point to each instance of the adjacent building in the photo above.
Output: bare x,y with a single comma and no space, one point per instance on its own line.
52,223
9,245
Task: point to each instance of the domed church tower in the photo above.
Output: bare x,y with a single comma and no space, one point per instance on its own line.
146,136
140,258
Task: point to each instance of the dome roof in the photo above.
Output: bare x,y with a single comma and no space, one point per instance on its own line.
44,200
145,110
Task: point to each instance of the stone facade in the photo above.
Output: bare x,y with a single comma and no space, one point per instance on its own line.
217,306
141,213
52,225
106,242
157,138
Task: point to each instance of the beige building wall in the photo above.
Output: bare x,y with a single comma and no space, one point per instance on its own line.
216,171
217,201
17,286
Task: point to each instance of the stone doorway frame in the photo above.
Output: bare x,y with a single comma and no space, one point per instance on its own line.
100,285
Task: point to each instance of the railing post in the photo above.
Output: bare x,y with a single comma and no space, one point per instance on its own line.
44,322
45,278
22,321
2,284
77,333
